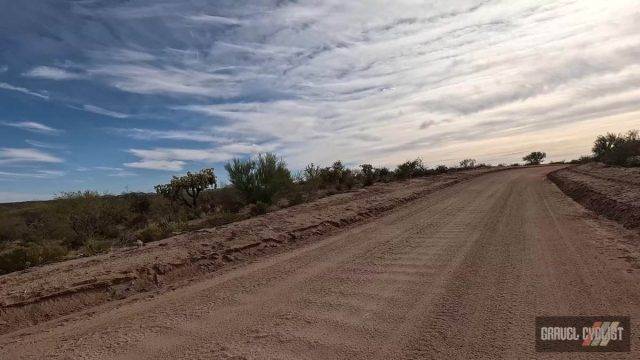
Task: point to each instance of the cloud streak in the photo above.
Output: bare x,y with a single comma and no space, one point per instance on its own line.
23,90
101,111
33,127
26,155
52,73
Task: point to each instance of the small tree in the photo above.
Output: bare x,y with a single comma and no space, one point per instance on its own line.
622,150
535,158
468,163
368,174
259,179
410,169
187,188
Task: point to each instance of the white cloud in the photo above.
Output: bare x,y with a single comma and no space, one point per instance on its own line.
177,158
39,174
19,89
101,111
22,155
44,145
214,20
183,135
157,165
365,81
32,126
52,73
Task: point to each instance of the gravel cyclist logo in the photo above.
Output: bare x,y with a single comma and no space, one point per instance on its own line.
583,333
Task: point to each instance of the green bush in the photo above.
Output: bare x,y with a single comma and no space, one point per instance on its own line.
620,150
33,254
410,169
223,218
226,199
535,158
441,169
368,174
156,231
468,163
260,179
94,246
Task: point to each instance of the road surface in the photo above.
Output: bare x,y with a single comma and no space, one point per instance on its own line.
461,273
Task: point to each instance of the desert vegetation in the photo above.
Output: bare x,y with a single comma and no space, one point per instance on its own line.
535,158
618,149
85,223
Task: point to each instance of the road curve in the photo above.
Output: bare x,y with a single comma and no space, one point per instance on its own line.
461,273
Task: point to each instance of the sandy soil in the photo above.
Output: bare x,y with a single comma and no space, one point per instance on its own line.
458,273
611,191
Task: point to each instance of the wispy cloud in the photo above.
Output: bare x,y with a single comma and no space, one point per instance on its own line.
360,81
53,73
24,155
3,68
181,135
213,19
105,112
33,127
44,145
166,165
19,89
177,158
39,174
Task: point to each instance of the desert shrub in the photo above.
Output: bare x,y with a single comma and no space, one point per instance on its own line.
383,174
583,160
633,161
410,169
535,158
93,246
259,208
368,174
91,215
226,199
618,149
223,218
468,163
260,179
33,254
12,228
187,188
312,175
157,231
441,169
139,203
296,198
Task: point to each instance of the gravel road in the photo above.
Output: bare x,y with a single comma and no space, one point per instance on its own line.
460,273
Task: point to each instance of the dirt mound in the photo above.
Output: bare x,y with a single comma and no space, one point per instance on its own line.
39,294
613,192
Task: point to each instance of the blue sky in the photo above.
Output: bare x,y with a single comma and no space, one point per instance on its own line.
120,95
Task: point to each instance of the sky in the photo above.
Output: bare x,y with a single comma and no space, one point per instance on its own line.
119,95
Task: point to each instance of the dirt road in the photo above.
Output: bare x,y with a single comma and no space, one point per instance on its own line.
460,273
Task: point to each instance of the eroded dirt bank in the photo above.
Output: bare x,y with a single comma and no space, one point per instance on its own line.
43,293
613,192
460,273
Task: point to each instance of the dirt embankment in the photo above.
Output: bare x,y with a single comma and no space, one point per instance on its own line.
613,192
47,292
